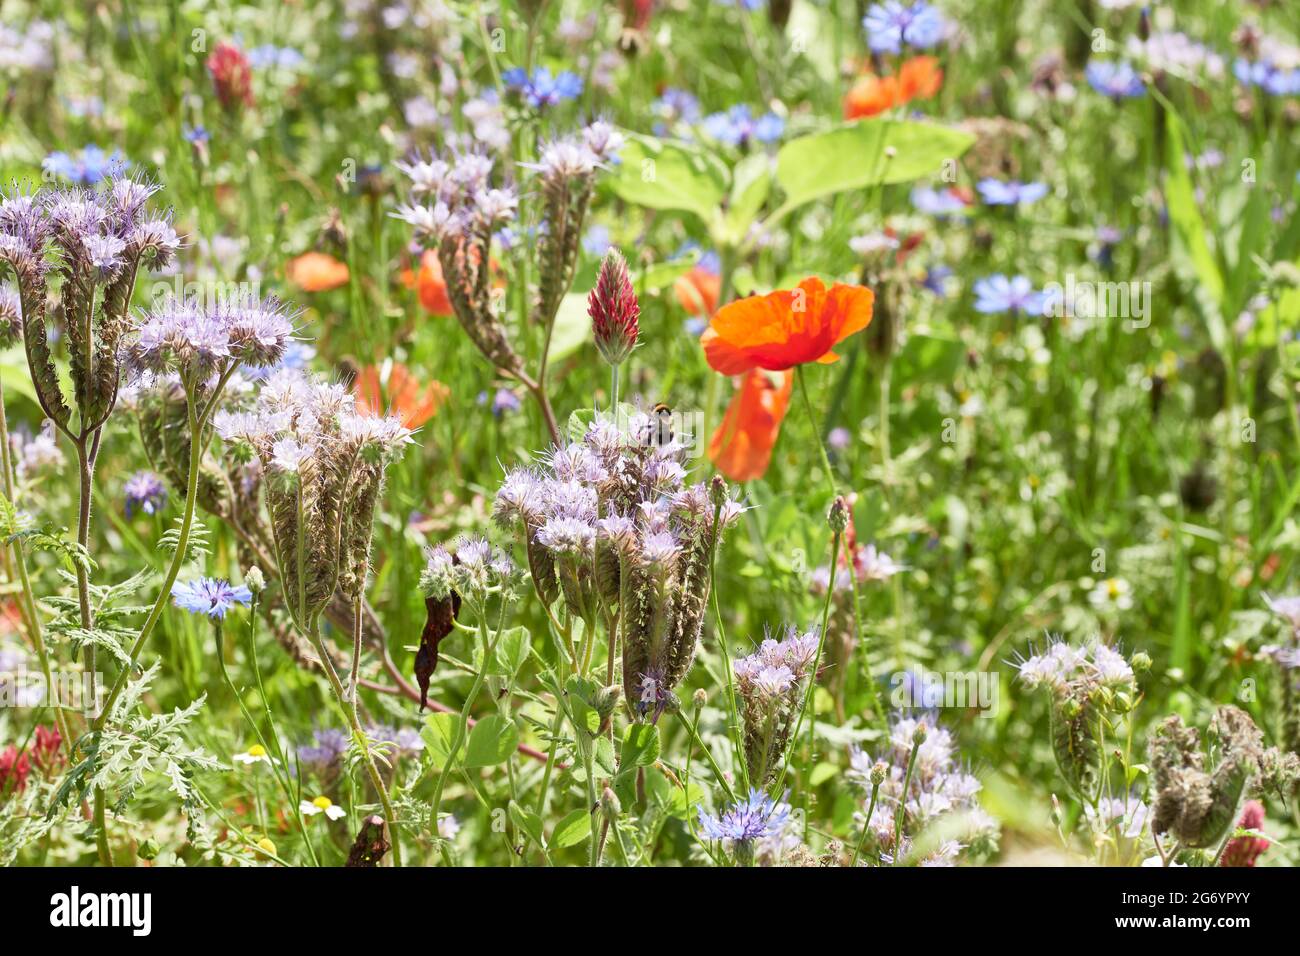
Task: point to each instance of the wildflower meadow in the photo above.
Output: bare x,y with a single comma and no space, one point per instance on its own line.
647,434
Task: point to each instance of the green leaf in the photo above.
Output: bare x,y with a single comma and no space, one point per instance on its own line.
927,357
572,326
528,823
492,741
853,156
1189,227
512,650
751,182
640,746
572,830
664,174
438,733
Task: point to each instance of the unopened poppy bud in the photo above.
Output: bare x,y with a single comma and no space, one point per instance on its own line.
919,734
255,579
148,850
700,698
606,700
609,805
614,310
718,491
838,517
879,772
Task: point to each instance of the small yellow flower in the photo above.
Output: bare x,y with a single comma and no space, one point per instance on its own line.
266,846
309,808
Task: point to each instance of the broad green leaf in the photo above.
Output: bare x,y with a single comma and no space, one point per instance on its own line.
664,174
512,650
492,741
751,182
572,326
528,822
572,830
927,357
853,156
683,803
438,733
640,746
660,275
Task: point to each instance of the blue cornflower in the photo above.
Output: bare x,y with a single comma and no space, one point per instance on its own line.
195,134
756,817
997,293
145,492
940,203
542,89
1267,77
1115,78
997,192
891,24
210,596
596,241
737,126
86,167
936,280
280,57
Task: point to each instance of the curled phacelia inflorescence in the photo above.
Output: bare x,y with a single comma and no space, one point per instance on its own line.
771,683
91,243
937,786
609,524
323,465
1087,685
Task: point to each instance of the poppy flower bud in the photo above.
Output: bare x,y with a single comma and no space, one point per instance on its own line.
609,805
838,517
879,772
614,310
255,579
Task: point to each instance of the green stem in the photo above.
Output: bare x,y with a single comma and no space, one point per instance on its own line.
817,433
866,826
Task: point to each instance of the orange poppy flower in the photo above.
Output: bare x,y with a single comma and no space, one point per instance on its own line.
415,404
429,284
742,446
786,328
918,78
317,272
698,291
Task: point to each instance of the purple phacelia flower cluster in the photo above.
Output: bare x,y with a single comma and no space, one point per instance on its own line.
144,491
610,521
938,786
771,684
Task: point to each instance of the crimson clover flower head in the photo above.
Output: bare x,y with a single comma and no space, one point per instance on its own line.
756,817
210,596
614,309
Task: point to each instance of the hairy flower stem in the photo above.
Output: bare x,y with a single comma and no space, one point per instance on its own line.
693,730
358,735
734,733
86,477
613,390
817,433
356,650
489,647
27,603
902,801
866,825
812,676
198,420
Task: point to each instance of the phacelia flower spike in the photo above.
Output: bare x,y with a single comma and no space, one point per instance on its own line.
614,309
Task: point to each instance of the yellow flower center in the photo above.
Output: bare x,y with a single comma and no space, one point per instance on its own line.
266,845
323,802
1112,588
257,750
